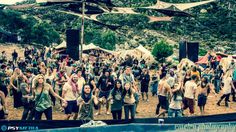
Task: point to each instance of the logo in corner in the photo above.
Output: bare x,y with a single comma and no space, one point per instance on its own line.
3,128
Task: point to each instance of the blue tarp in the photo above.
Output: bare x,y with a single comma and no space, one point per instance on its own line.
137,124
229,127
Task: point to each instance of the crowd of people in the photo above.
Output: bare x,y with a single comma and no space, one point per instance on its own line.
43,80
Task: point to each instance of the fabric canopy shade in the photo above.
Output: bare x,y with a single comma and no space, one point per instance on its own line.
173,11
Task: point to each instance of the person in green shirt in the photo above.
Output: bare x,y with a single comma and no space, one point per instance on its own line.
42,98
86,103
116,100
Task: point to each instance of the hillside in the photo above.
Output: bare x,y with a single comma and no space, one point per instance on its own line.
212,24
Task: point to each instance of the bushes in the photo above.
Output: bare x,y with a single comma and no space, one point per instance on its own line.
162,50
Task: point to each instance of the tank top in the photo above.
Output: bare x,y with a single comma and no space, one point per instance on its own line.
43,102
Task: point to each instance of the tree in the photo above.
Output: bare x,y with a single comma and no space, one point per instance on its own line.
108,40
162,50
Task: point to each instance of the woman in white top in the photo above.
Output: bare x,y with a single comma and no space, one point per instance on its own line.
228,83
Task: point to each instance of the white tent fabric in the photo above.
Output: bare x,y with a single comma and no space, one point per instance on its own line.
181,6
61,46
143,50
90,46
146,54
140,53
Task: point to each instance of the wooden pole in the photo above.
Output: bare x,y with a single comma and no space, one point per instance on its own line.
82,30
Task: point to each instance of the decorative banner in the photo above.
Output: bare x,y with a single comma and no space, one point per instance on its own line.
94,8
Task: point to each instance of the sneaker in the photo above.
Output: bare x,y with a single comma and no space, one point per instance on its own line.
108,113
218,104
147,100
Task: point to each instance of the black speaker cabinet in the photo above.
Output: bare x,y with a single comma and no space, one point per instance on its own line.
182,50
192,51
72,43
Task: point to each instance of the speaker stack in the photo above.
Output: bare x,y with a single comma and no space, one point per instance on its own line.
188,50
72,43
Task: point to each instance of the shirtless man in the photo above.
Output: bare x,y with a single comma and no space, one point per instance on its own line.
163,90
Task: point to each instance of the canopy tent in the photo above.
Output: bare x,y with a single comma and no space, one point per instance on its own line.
90,46
181,6
146,54
124,53
140,53
203,60
61,46
225,62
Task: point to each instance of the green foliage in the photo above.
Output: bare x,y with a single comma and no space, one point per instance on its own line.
44,34
29,28
202,52
108,40
216,23
162,50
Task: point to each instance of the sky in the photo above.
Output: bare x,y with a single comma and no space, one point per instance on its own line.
9,1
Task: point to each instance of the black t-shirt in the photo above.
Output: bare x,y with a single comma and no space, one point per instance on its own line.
103,83
14,54
145,78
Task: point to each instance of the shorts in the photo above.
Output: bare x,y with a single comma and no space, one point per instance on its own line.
104,94
163,102
71,107
189,103
144,88
202,100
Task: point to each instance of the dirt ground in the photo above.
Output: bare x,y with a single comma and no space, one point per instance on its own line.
9,48
145,109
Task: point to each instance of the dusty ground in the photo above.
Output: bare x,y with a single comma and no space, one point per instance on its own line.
9,48
146,109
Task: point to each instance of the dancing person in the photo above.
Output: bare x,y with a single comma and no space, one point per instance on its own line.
70,93
163,91
116,100
228,83
129,101
42,98
218,75
105,84
204,89
15,85
60,79
189,94
175,107
145,79
86,103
